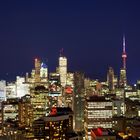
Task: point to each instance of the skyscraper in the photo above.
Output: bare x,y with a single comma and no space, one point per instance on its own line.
79,101
63,70
110,79
98,113
44,72
10,109
37,70
123,78
25,113
68,91
39,101
22,88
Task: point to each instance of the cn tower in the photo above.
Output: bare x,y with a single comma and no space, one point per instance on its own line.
124,55
123,78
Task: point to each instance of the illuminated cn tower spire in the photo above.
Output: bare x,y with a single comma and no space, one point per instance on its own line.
124,55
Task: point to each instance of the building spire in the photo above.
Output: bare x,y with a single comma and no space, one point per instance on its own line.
61,52
124,55
123,43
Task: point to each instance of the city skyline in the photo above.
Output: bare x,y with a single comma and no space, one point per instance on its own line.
89,32
69,70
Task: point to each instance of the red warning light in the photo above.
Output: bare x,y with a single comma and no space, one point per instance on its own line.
68,90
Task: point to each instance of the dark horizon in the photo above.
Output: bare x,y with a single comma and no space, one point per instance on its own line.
89,31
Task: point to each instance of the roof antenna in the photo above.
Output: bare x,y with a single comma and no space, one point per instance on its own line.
61,52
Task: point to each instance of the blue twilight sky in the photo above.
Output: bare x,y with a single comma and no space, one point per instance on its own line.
90,31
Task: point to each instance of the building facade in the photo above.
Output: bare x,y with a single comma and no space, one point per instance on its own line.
98,113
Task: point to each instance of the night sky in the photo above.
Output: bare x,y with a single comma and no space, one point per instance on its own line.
90,31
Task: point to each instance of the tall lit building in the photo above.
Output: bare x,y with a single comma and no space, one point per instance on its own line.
68,95
25,112
10,109
63,70
44,72
118,107
115,81
39,101
123,77
68,91
17,89
11,90
79,101
110,79
123,80
98,113
22,88
37,70
32,79
70,79
55,90
10,116
2,90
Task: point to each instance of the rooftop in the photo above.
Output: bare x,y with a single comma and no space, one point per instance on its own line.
97,98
